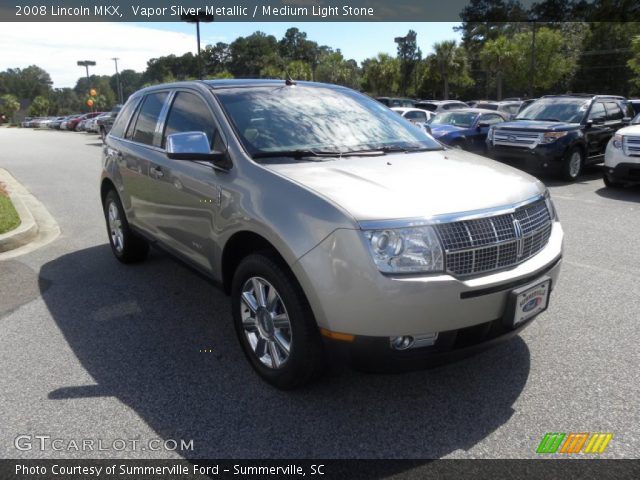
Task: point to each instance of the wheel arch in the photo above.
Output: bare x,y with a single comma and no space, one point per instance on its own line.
241,244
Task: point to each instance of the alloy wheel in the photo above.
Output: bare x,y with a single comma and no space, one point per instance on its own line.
265,322
115,227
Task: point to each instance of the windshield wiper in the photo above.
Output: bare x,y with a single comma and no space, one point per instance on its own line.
305,153
548,120
391,149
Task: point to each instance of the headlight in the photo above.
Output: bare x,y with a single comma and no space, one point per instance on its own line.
406,250
490,134
550,137
617,141
550,206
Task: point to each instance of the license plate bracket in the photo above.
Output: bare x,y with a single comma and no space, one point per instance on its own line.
528,301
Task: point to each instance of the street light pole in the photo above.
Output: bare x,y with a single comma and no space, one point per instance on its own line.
121,100
197,18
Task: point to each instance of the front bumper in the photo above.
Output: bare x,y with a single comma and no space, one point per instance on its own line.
623,173
348,294
543,158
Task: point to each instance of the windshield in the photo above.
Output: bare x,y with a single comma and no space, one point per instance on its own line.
298,118
556,110
457,119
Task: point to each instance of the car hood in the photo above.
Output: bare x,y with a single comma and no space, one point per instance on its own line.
538,126
442,130
630,130
413,185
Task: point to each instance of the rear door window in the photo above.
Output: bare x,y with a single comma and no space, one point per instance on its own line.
598,113
413,115
144,131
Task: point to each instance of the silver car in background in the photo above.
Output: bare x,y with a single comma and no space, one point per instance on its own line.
332,222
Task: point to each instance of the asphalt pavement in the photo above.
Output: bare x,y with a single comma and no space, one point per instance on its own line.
91,349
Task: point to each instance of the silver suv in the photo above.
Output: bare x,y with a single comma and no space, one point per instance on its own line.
331,221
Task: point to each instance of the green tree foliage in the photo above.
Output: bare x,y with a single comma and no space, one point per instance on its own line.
253,54
25,83
497,57
131,81
39,107
65,101
215,58
381,75
334,68
9,105
634,64
448,64
106,97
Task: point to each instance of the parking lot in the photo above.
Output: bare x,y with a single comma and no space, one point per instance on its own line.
91,348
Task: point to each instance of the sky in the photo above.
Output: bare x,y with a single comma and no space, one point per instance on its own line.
56,47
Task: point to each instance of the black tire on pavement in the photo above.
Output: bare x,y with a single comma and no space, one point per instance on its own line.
305,360
125,244
571,170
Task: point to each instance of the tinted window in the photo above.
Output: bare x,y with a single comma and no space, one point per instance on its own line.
487,106
458,119
123,119
614,112
428,106
279,118
189,113
570,110
597,112
148,118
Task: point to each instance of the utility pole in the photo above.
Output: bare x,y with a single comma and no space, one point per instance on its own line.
121,100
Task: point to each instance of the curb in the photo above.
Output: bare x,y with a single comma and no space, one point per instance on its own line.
23,233
37,227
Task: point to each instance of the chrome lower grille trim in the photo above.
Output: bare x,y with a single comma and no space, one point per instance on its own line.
493,243
631,146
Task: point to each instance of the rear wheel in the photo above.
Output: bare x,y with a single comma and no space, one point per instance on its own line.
572,164
103,134
125,244
274,323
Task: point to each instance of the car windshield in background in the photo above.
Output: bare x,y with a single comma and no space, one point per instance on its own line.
555,110
298,118
457,119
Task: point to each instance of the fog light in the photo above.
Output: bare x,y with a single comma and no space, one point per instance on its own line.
402,342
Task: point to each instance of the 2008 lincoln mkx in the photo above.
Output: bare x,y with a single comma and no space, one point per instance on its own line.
331,221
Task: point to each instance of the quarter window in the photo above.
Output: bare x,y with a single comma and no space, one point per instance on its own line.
189,113
491,119
148,118
122,119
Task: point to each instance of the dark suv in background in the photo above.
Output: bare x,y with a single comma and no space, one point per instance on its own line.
560,133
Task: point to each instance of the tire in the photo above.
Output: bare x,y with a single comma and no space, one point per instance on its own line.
572,164
103,134
459,144
125,245
610,183
277,330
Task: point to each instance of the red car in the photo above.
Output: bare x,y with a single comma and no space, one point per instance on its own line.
73,123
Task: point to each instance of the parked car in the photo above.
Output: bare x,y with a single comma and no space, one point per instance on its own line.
92,124
55,124
466,128
560,133
414,115
635,104
509,108
75,122
105,123
622,157
437,106
396,101
327,217
26,123
66,123
525,103
42,122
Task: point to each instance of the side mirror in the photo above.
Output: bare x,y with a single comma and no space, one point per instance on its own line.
627,120
483,125
195,146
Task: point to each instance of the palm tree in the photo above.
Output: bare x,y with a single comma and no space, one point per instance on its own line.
497,56
448,60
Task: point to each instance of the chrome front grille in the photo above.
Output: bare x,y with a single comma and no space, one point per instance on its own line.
631,146
516,138
492,243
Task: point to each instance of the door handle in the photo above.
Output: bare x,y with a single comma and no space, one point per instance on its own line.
157,172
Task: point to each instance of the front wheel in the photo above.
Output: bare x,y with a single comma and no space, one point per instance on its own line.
125,244
274,323
572,164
